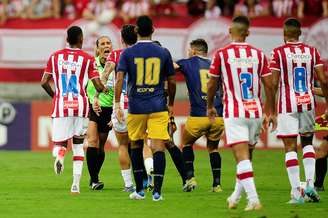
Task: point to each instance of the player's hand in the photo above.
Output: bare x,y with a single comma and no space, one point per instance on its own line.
119,114
105,90
170,109
211,113
96,106
269,121
110,124
172,126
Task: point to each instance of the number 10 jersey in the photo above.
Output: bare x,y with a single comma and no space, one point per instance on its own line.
241,67
296,63
71,69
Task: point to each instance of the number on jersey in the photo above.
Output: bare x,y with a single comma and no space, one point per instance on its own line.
246,85
69,86
203,79
300,80
150,75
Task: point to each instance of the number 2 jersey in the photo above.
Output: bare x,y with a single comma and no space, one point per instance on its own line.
147,66
195,70
296,63
241,67
71,69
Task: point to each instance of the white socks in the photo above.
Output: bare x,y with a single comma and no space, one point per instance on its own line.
309,164
126,174
149,165
245,176
78,157
236,194
293,171
58,150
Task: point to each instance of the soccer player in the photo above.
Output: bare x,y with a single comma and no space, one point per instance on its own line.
99,116
129,38
70,69
241,68
147,66
195,69
293,66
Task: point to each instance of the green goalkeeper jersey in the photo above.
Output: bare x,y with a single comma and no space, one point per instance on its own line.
105,100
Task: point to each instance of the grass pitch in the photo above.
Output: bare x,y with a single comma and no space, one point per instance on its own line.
29,188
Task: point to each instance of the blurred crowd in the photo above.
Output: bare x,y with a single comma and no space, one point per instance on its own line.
105,10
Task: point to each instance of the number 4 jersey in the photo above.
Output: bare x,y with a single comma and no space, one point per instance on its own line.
296,63
71,69
240,67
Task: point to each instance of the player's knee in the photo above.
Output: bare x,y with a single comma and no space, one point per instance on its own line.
212,146
306,139
137,144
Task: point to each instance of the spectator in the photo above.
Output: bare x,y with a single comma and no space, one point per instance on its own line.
40,9
312,7
250,8
68,9
99,12
196,7
227,6
212,10
164,8
12,9
3,14
134,8
282,8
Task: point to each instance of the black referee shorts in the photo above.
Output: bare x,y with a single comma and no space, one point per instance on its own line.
102,120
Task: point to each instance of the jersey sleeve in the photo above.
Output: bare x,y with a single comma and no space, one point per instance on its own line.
123,62
169,68
318,60
215,68
93,71
181,65
265,68
275,61
48,69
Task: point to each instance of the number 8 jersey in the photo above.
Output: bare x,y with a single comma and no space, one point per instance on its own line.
240,67
296,63
71,69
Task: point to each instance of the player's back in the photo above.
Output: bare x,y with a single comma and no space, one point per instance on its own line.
195,70
296,63
241,67
147,66
71,69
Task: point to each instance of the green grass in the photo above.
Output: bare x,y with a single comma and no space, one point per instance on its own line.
29,188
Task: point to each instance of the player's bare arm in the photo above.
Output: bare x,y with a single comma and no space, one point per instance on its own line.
98,85
45,83
212,85
109,68
270,88
319,70
171,89
118,91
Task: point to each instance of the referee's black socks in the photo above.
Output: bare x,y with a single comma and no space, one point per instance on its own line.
159,169
92,161
320,171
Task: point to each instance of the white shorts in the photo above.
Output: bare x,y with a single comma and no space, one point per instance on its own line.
292,124
64,128
117,126
242,130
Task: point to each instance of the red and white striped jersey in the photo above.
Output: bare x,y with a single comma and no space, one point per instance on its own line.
114,57
71,69
240,67
296,63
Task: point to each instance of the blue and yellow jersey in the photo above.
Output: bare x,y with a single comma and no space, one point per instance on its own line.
195,71
147,66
